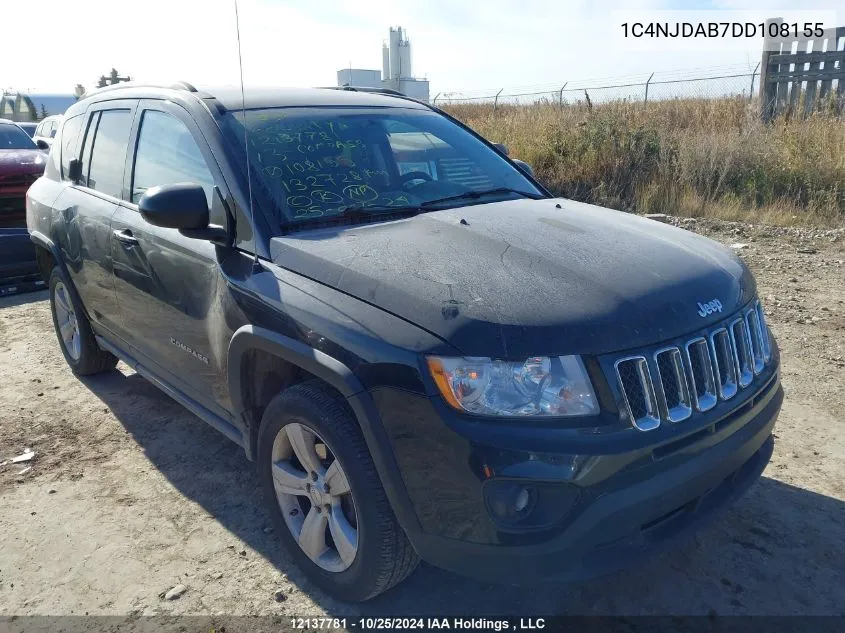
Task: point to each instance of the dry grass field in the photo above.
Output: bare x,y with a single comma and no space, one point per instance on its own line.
699,158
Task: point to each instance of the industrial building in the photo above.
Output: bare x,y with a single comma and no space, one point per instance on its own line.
19,106
396,73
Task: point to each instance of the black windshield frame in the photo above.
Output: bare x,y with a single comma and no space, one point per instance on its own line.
268,202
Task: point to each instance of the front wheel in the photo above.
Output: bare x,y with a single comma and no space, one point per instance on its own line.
326,498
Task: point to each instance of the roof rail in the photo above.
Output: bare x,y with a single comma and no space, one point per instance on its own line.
184,85
382,91
96,91
179,85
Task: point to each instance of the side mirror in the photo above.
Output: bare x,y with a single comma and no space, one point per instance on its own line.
42,144
501,147
524,166
74,168
182,206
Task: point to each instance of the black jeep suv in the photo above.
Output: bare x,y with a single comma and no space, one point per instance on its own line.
427,355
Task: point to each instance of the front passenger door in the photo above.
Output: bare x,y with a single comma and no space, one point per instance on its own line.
166,284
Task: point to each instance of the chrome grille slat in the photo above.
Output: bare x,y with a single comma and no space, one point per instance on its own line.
742,351
724,363
764,330
638,390
752,322
701,374
694,376
672,380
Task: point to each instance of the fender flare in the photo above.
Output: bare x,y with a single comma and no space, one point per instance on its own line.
39,239
45,242
339,376
313,361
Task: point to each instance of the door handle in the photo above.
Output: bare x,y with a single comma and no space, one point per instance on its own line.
125,236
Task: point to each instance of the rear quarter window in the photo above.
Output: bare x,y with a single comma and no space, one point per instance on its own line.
68,142
52,169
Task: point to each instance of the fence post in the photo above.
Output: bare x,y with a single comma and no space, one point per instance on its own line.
560,99
434,101
767,91
751,89
496,101
646,87
589,103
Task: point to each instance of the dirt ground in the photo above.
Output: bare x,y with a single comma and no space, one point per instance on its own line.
129,495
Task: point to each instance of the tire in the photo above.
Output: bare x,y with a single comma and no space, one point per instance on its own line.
81,352
384,556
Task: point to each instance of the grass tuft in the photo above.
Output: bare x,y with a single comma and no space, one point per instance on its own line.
692,157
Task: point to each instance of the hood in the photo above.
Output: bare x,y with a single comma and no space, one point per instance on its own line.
519,278
22,161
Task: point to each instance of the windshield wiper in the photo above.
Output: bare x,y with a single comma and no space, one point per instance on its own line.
361,211
355,212
474,195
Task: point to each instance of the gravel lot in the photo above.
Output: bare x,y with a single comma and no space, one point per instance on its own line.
129,495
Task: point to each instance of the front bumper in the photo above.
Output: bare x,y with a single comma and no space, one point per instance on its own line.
623,526
625,511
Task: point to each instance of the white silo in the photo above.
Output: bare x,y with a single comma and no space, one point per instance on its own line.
385,62
395,36
405,59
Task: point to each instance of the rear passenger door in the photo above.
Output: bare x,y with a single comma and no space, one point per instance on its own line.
167,284
86,207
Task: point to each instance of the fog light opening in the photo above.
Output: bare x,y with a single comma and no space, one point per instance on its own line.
523,497
510,501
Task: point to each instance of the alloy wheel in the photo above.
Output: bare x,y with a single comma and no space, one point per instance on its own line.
314,495
67,322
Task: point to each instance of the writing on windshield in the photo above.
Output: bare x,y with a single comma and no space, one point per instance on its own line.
326,165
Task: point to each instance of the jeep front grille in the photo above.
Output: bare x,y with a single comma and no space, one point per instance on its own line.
679,380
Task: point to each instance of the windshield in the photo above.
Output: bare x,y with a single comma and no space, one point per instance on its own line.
12,137
315,164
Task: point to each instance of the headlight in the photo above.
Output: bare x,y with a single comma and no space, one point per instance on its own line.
540,386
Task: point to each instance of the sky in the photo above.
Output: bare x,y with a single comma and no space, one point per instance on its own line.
462,46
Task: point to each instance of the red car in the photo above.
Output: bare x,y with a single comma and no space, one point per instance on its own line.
22,162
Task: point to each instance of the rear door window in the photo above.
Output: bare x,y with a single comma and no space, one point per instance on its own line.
108,152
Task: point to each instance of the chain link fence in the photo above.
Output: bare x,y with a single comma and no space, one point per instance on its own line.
654,87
